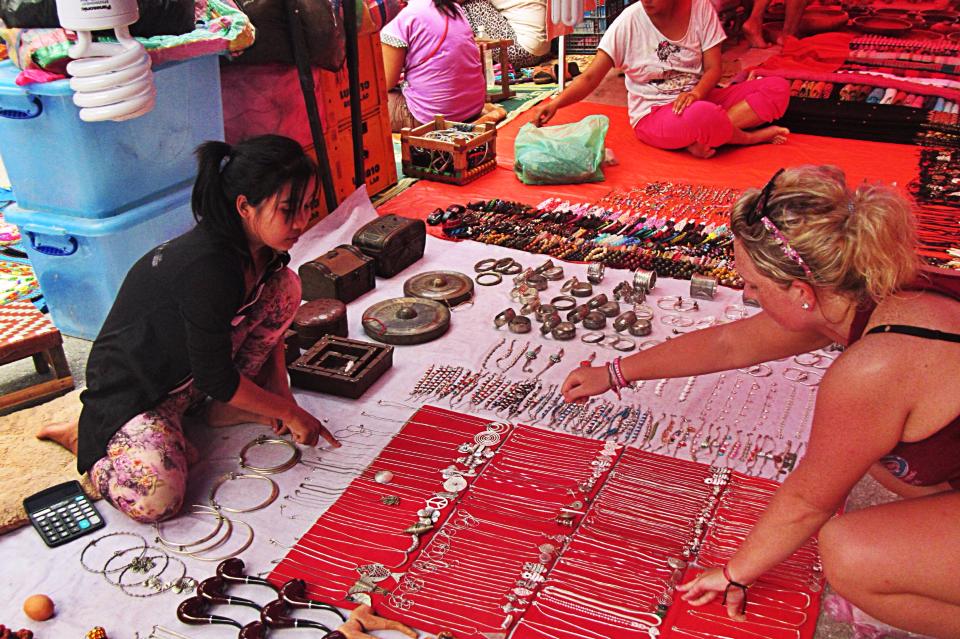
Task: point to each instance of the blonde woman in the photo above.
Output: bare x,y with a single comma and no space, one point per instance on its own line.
834,264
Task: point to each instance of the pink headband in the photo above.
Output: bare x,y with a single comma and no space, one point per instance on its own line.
788,250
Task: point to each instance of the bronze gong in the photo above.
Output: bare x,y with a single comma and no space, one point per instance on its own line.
447,287
406,320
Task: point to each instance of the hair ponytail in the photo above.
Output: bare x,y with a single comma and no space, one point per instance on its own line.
257,168
882,239
859,243
449,8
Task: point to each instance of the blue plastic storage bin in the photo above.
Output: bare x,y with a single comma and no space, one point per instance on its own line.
58,163
80,262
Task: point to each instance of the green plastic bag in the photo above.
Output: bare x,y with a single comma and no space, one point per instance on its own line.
564,154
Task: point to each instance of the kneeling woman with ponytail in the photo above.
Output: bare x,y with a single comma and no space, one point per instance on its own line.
830,264
201,315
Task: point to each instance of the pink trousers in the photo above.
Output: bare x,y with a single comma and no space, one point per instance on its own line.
706,121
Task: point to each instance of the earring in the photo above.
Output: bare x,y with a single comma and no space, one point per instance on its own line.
805,306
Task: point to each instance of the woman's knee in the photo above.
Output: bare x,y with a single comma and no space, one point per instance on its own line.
708,122
841,553
770,98
163,502
284,286
152,496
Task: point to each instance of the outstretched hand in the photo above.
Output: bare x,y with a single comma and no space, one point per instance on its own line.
585,382
307,429
544,113
710,585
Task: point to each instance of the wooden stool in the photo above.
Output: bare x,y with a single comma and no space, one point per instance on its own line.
26,332
505,92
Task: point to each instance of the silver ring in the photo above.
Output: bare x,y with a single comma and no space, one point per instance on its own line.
676,321
497,278
624,344
592,338
485,265
807,378
812,362
758,370
563,303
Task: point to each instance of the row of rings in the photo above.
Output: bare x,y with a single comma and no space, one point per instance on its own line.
505,266
807,378
616,342
678,303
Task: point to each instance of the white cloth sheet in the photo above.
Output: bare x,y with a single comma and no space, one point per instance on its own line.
85,600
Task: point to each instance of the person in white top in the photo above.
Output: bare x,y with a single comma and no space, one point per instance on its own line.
669,51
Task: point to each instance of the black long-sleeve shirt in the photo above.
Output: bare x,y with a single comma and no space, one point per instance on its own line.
171,322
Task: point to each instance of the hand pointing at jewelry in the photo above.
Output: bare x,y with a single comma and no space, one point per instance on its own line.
585,382
307,429
711,584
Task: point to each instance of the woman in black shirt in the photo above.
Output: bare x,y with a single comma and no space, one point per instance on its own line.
201,315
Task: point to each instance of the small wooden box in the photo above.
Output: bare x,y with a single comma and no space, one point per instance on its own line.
393,242
342,367
317,318
344,273
456,162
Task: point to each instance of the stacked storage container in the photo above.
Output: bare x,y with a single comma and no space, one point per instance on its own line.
92,198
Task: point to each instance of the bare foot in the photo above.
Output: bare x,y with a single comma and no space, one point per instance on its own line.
754,35
63,433
767,135
698,150
220,415
492,114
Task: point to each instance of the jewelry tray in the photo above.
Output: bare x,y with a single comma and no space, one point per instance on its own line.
340,366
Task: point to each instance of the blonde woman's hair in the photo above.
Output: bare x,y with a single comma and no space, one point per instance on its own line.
860,243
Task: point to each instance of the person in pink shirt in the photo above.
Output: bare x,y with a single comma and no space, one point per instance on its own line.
431,43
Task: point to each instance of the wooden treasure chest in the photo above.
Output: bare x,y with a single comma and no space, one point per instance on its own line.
344,273
394,242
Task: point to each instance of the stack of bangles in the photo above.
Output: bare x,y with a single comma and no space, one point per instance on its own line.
734,584
617,378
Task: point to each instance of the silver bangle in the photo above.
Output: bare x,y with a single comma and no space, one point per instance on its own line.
485,265
592,338
246,544
274,491
676,321
624,344
643,312
492,279
196,509
264,440
678,303
94,542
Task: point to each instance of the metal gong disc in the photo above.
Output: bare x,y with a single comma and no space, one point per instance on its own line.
448,287
406,320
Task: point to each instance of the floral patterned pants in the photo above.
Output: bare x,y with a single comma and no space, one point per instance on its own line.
144,473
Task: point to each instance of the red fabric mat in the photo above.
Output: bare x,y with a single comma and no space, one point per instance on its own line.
737,167
532,539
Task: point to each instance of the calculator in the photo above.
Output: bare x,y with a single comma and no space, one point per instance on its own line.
62,513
